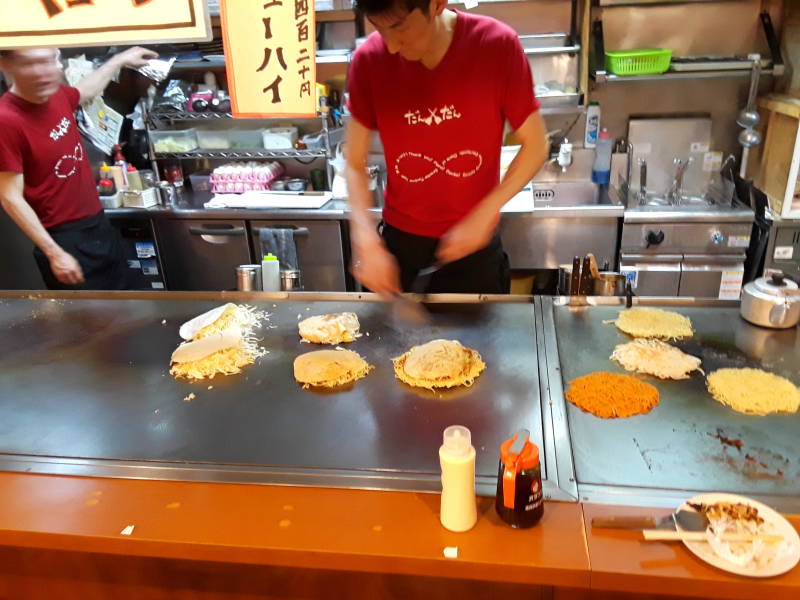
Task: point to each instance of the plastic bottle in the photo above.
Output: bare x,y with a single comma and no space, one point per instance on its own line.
270,273
457,458
592,125
134,179
601,171
119,161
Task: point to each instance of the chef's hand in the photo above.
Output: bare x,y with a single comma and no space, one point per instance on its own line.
376,268
134,57
469,235
66,268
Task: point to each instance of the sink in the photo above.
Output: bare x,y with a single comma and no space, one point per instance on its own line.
564,193
686,202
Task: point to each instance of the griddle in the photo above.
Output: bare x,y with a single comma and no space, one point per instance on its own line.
85,388
689,443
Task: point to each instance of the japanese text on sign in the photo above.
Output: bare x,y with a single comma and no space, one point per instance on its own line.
101,22
270,57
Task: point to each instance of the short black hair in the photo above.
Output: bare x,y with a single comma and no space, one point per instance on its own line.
379,7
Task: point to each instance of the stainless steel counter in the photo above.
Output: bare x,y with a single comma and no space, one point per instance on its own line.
86,390
689,443
338,210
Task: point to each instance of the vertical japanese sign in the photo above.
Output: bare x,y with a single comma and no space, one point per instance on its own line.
270,55
27,23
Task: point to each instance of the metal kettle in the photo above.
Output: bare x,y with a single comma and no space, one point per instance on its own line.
771,302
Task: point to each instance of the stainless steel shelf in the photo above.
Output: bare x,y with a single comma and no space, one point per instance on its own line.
190,116
232,154
211,116
544,44
675,75
219,63
552,50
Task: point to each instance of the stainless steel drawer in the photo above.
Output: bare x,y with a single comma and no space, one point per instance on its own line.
653,275
319,251
202,254
712,277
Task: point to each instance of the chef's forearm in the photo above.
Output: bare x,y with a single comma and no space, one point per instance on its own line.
359,197
25,218
525,165
93,84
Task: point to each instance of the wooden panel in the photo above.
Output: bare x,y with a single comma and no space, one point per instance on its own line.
622,562
379,532
35,574
776,158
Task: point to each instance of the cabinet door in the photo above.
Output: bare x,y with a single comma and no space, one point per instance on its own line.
712,277
319,252
202,255
653,276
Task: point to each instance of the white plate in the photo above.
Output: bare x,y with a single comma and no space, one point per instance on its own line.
780,526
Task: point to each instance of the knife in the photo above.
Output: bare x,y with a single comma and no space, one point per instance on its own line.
587,281
575,277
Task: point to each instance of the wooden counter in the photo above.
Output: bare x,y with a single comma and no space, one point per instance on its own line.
622,562
300,528
207,540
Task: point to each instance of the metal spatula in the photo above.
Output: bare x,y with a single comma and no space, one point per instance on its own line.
423,278
409,308
409,311
687,519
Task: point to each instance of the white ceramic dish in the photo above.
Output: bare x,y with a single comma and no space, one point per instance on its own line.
779,526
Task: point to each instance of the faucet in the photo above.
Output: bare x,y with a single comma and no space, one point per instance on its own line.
560,153
676,190
564,155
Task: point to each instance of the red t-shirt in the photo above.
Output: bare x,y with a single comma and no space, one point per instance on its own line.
442,128
42,142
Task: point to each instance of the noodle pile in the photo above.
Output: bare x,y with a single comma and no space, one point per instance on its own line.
610,395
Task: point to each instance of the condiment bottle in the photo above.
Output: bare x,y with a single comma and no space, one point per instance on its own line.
134,180
270,274
457,458
519,500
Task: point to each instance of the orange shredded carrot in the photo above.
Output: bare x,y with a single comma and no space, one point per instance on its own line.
610,395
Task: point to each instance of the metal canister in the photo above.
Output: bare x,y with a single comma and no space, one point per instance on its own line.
247,278
609,284
169,194
519,500
290,281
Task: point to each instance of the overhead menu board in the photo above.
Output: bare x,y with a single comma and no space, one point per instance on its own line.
33,23
270,55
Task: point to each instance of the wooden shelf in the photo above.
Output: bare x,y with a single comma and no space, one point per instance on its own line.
332,16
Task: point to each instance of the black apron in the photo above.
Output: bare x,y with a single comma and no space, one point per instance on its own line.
97,247
485,271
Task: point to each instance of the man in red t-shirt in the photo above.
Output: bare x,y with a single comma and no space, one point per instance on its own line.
46,181
438,86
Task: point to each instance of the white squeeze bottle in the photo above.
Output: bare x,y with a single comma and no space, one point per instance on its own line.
270,273
457,458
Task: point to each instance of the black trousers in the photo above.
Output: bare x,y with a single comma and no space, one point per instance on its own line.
97,247
483,272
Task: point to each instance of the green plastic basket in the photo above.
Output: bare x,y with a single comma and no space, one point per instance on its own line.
646,61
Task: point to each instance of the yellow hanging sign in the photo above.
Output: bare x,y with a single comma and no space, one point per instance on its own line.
270,56
34,23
